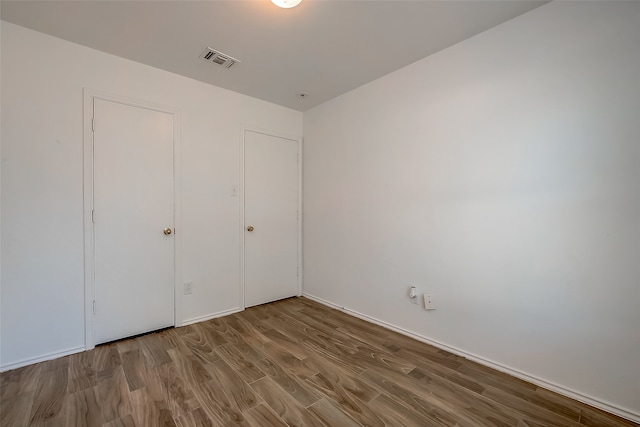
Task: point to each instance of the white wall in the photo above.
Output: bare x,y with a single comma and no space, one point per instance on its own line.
503,175
42,210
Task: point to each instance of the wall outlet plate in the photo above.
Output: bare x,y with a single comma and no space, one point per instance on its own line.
429,302
188,288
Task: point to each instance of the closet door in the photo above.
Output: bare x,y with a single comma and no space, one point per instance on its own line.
133,220
271,218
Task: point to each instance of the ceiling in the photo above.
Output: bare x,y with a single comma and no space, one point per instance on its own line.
323,48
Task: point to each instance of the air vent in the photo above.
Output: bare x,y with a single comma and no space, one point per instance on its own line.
218,58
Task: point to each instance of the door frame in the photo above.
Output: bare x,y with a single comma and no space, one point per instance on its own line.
89,243
298,140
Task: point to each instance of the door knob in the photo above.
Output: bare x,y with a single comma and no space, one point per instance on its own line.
250,228
167,231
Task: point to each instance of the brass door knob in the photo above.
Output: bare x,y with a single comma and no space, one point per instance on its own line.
167,231
250,228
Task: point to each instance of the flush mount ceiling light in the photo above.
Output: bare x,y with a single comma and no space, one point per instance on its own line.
286,4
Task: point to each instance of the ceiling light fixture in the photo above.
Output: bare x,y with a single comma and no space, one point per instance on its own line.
286,4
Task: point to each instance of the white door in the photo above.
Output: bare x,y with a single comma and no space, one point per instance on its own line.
133,205
271,218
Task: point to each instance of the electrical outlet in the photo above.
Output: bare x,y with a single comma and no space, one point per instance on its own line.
188,288
429,302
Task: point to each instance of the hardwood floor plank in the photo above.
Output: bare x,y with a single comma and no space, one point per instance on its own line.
134,367
177,392
407,393
236,323
331,415
82,372
287,343
593,417
287,360
250,332
285,406
15,411
197,343
373,359
154,347
61,363
247,351
218,406
323,330
106,357
153,384
196,418
126,345
554,402
113,395
289,383
126,421
334,374
440,358
219,328
256,322
53,422
244,367
395,414
83,409
442,371
334,357
189,367
211,336
352,328
355,328
291,327
150,412
345,400
529,410
333,344
263,416
470,404
9,382
49,396
501,380
228,383
529,423
19,381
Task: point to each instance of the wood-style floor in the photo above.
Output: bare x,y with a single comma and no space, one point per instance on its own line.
292,362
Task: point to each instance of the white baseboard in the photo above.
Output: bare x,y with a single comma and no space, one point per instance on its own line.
43,358
211,316
596,403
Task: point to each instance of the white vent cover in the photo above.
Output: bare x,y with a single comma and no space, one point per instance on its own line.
218,58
